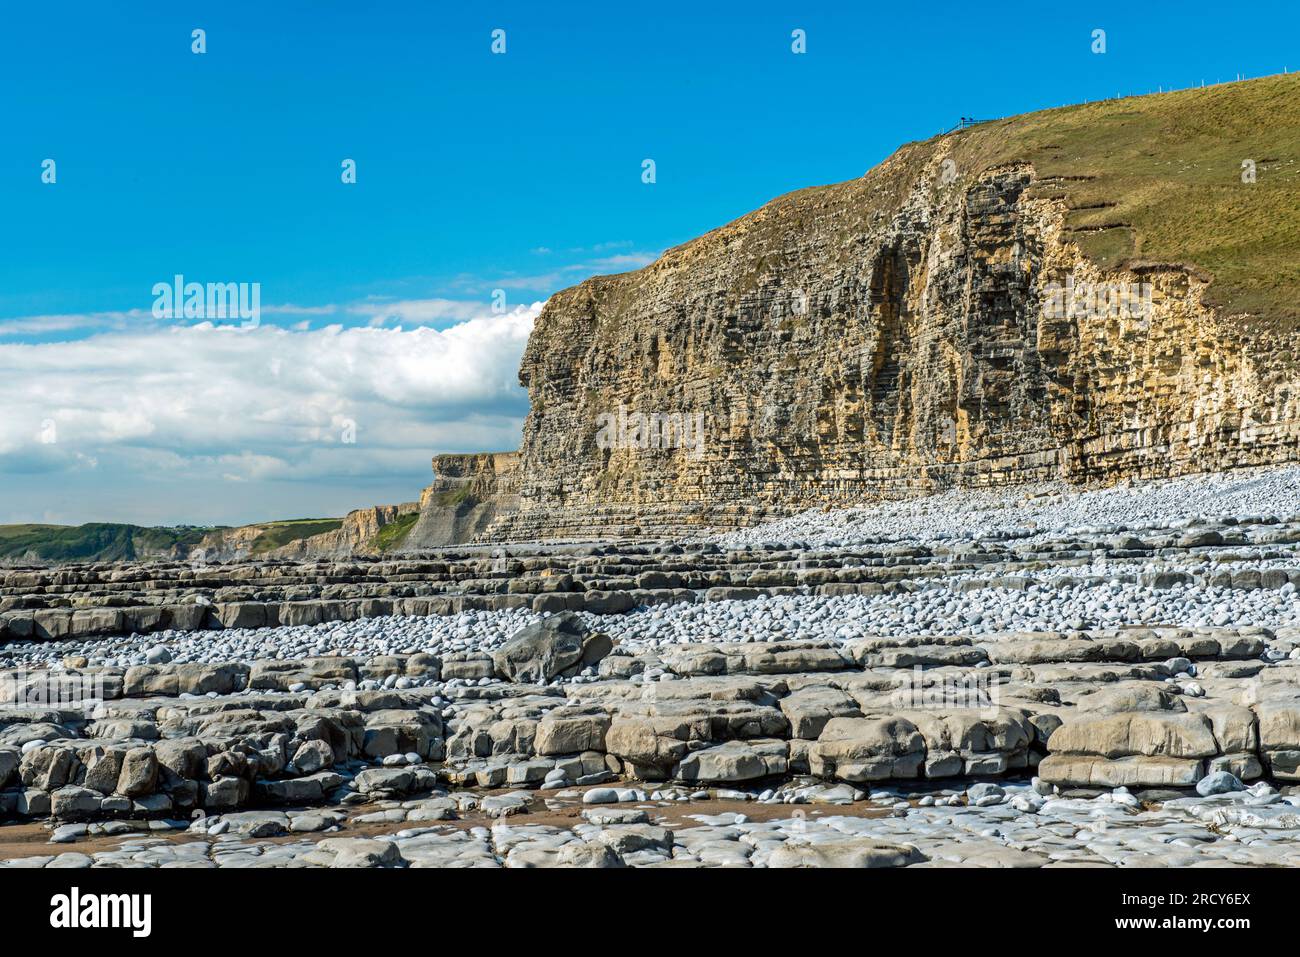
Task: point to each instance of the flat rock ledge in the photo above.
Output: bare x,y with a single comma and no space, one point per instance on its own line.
83,600
1077,711
1108,695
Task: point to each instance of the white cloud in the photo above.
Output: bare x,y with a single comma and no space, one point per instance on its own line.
70,322
156,422
262,404
416,311
293,309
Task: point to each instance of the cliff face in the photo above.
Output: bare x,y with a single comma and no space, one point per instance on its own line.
903,333
360,534
228,543
471,494
364,531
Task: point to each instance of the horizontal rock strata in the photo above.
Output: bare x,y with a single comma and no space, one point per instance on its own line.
1024,674
1083,709
77,600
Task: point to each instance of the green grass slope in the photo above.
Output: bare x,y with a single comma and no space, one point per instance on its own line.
96,541
279,534
392,535
1158,179
112,541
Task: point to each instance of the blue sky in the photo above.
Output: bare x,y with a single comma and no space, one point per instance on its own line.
475,172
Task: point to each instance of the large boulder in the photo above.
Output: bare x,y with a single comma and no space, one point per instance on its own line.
571,730
399,731
736,658
868,749
314,673
189,678
1093,770
103,768
49,767
1279,738
72,803
139,773
246,614
1167,734
186,758
652,744
313,756
9,760
550,647
224,793
734,761
809,709
355,852
385,780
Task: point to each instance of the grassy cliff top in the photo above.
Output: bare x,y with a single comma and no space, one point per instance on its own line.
278,534
1158,179
1148,180
96,541
113,541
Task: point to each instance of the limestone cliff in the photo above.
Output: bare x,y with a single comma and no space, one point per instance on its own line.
470,495
364,531
903,332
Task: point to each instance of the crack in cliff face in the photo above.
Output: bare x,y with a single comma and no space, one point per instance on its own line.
880,338
888,379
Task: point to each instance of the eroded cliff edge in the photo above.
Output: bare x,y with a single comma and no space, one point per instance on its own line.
887,336
470,495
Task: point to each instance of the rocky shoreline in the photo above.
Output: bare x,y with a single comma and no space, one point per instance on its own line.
1022,696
